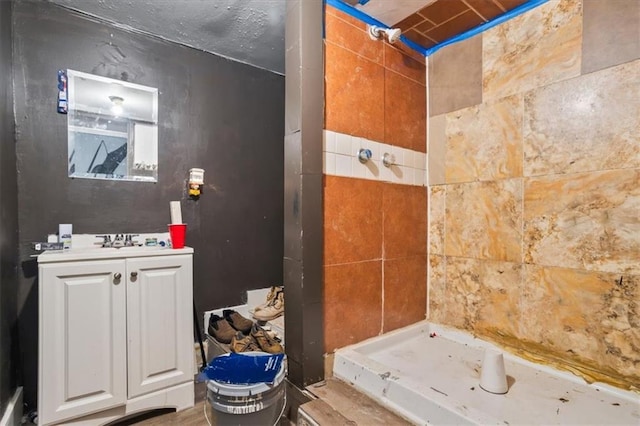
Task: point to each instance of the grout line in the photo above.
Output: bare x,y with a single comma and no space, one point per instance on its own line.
357,54
382,269
428,186
354,263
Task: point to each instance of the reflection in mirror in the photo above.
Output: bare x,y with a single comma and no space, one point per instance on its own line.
112,129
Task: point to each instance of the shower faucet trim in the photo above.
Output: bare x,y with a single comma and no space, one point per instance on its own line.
364,155
388,159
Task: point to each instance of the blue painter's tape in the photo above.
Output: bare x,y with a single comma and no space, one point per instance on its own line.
525,7
358,14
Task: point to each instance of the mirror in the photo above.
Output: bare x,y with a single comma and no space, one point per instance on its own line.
112,129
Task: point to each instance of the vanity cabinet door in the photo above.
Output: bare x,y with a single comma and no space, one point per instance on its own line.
82,338
159,322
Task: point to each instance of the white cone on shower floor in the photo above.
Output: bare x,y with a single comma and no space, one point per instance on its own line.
493,377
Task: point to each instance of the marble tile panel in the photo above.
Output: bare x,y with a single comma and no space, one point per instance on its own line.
405,292
353,38
398,61
534,49
611,33
586,317
437,149
351,82
455,76
483,220
405,111
436,219
584,221
437,288
485,295
352,303
484,142
352,220
405,221
588,123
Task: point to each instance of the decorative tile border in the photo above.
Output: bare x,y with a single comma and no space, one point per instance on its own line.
340,154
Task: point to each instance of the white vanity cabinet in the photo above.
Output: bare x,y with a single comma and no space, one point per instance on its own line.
116,333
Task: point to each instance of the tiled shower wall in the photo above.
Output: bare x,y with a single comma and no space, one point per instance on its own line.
375,244
534,167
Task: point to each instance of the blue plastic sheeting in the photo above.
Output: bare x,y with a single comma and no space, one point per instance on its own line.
242,369
358,14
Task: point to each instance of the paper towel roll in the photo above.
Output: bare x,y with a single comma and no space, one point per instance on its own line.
176,213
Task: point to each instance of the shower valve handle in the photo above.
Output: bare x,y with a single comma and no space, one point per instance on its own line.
364,155
388,159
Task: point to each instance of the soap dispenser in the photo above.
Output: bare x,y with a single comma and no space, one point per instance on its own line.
196,182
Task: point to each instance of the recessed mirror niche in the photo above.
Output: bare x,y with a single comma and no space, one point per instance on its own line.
112,129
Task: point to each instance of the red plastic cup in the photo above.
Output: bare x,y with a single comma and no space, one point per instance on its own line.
177,233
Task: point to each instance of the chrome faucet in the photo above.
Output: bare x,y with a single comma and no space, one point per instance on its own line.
119,240
106,240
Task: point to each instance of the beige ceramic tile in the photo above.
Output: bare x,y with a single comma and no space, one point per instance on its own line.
484,142
534,49
455,76
483,295
587,317
583,221
436,219
437,289
483,220
437,149
611,33
588,123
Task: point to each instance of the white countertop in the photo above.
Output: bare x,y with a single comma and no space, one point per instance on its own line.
94,253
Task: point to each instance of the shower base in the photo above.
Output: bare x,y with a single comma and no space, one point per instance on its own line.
435,380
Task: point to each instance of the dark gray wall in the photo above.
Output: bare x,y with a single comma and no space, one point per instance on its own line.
220,115
8,218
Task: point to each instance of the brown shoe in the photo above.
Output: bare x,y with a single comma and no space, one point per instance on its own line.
265,341
242,343
237,321
220,329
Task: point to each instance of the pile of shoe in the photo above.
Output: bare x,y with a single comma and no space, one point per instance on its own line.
224,328
258,339
273,307
242,334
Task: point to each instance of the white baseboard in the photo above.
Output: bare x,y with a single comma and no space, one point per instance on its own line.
13,414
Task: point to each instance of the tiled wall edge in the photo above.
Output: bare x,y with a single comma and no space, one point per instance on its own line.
340,158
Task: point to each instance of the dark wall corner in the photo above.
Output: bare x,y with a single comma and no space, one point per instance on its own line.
9,357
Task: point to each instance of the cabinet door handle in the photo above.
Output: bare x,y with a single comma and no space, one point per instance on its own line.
134,275
117,276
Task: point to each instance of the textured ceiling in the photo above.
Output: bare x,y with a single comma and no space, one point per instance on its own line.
250,31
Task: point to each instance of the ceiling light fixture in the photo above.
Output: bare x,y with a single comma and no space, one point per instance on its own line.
116,108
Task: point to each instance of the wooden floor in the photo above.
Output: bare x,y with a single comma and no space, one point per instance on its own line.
340,404
191,417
